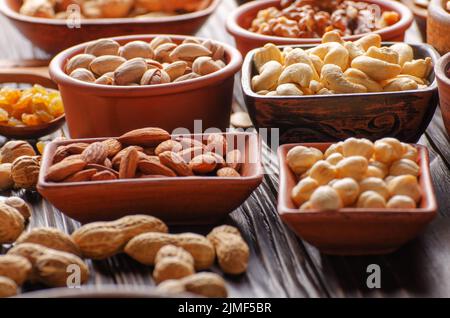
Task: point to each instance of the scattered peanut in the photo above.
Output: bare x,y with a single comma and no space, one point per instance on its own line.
172,262
203,284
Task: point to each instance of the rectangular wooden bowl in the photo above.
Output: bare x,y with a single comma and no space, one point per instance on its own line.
355,231
177,200
313,118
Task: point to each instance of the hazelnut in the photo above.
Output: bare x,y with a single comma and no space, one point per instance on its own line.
334,158
388,150
14,149
405,185
410,152
325,198
404,166
374,184
301,158
371,199
353,167
338,147
358,147
25,172
323,172
20,205
401,202
303,190
348,190
6,181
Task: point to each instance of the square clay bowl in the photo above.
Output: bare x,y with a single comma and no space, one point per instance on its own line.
176,200
355,231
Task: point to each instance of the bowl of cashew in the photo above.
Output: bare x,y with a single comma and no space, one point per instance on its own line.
337,89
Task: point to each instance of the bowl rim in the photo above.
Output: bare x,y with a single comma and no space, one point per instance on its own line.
233,27
13,14
248,91
439,69
61,78
253,140
427,190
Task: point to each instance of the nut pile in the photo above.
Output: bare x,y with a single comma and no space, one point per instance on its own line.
356,173
29,107
339,67
145,153
313,18
44,254
19,166
137,63
97,9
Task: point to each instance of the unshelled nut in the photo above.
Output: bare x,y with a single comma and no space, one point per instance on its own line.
15,267
25,172
203,284
130,72
6,181
20,205
105,63
15,149
103,47
136,49
79,61
8,287
51,238
172,262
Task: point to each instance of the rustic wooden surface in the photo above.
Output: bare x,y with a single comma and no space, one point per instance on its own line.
282,265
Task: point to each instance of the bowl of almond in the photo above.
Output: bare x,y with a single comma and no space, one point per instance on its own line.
114,85
197,178
356,197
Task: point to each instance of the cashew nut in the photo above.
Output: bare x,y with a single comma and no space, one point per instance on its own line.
353,50
298,73
405,52
332,36
333,79
298,55
400,84
418,68
265,54
369,40
268,78
332,53
358,77
315,86
288,89
376,69
317,62
383,53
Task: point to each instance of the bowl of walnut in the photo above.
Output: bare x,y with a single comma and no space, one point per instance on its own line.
305,21
356,197
54,25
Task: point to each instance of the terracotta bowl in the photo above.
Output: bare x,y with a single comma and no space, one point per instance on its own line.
94,110
24,76
240,20
54,35
355,231
178,200
442,68
404,115
438,30
420,15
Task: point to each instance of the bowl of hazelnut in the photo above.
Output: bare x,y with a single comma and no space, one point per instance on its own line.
114,85
305,21
56,25
356,197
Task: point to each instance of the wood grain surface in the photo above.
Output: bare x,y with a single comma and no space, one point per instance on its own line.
282,265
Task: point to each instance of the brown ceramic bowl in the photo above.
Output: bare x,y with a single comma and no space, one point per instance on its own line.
438,30
355,231
240,20
53,36
178,200
313,118
420,15
442,70
94,110
23,76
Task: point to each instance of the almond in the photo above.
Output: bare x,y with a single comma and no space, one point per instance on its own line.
234,159
101,168
187,142
145,137
168,145
76,148
151,167
103,176
203,164
118,157
227,172
175,162
217,143
220,162
190,153
128,164
60,154
65,168
95,153
113,146
81,176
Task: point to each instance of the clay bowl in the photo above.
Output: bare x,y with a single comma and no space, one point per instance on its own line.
438,30
30,76
404,115
355,231
240,20
178,200
442,70
420,15
53,36
94,110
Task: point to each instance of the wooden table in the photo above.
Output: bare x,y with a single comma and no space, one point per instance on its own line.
282,265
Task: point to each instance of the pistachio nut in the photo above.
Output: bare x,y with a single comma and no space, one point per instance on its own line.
130,72
106,63
79,61
103,47
136,49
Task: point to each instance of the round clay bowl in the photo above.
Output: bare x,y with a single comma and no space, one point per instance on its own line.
442,69
29,132
54,35
420,15
438,26
94,110
240,20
